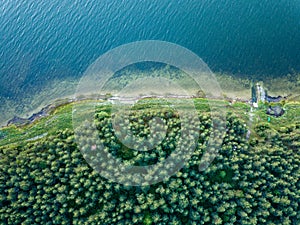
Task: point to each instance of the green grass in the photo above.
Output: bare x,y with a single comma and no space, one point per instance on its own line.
58,120
61,117
291,116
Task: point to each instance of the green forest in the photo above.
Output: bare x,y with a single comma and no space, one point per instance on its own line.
252,179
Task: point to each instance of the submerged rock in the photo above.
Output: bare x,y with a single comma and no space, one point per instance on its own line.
274,99
18,121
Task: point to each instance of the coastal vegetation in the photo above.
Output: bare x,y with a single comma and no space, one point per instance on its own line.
252,180
234,86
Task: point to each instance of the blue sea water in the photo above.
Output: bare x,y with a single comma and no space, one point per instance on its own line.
45,40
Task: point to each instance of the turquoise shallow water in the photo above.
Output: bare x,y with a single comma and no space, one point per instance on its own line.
46,40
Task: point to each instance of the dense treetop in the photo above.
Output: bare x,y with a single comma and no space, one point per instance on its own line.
252,181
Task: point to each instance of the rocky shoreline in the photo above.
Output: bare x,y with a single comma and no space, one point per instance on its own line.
47,110
44,112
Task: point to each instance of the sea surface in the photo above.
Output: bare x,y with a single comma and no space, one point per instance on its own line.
45,43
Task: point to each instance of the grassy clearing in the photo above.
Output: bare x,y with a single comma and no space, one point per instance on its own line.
61,118
290,117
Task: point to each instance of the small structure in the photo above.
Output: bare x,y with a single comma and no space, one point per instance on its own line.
259,94
276,111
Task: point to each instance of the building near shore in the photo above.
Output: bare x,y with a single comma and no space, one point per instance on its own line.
260,94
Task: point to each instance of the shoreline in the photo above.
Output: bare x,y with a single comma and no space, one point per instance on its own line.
49,108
